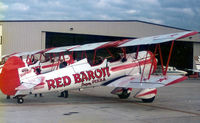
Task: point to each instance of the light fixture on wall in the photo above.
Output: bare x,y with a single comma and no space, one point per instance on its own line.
71,28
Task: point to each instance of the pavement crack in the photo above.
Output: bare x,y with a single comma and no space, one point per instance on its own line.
70,113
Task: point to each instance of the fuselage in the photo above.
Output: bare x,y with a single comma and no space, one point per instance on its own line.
82,75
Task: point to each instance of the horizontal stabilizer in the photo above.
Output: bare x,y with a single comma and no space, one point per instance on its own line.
154,82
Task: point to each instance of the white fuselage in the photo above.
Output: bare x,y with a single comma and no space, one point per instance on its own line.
82,75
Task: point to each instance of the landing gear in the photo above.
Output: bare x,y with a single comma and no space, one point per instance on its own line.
64,94
7,97
147,95
150,100
125,94
20,100
39,94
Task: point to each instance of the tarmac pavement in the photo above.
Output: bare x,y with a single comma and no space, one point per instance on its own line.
179,103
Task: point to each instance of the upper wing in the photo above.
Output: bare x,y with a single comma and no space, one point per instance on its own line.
99,45
8,55
30,53
134,42
154,82
62,49
158,39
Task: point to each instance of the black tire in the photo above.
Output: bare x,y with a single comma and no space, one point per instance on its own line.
148,100
124,94
20,100
66,94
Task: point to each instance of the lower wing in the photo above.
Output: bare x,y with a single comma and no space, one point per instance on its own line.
27,85
155,81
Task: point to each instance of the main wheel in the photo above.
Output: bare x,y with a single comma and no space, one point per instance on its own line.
20,100
124,94
150,100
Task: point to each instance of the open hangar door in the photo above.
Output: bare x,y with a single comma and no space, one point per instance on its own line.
67,39
181,58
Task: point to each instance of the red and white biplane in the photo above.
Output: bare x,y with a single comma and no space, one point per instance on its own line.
91,65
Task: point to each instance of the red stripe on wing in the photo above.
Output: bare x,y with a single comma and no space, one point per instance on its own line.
177,80
113,44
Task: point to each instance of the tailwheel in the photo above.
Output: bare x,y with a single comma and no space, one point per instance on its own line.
20,100
150,100
125,94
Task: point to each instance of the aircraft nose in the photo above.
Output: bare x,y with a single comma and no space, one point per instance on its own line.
9,78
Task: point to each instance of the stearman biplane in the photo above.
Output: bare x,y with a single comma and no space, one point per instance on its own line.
82,66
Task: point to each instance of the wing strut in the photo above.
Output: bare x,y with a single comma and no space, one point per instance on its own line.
138,48
170,53
154,56
53,59
63,55
94,56
60,55
110,53
83,53
161,58
164,70
144,66
124,52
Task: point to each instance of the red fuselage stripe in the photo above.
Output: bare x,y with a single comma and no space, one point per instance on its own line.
127,66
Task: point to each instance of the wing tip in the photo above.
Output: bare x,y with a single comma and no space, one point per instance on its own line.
177,80
189,34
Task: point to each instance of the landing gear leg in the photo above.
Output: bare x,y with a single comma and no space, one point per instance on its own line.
125,94
66,94
7,97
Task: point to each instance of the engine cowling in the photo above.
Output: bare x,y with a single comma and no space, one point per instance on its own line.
9,78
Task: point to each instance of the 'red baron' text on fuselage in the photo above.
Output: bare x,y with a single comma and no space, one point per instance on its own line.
94,76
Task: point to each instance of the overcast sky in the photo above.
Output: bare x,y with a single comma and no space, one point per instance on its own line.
177,13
